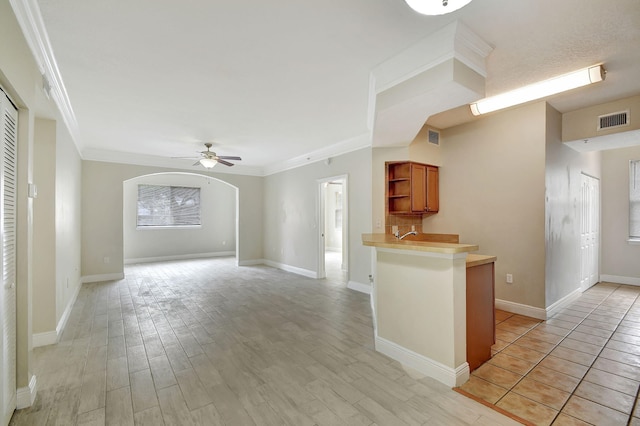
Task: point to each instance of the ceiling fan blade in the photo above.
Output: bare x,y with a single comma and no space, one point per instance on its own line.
197,163
226,157
226,163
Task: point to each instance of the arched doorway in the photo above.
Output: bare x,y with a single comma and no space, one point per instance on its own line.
156,227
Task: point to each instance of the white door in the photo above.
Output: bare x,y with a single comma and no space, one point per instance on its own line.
9,134
589,231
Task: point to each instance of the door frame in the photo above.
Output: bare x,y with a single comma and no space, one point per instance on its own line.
321,271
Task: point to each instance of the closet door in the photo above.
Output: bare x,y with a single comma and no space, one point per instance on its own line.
8,162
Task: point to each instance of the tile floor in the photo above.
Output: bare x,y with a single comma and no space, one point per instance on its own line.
205,342
580,367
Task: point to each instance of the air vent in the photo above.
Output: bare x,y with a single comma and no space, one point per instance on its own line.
434,137
617,119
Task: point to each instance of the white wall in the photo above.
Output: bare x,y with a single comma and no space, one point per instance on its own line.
619,258
102,218
216,235
492,188
291,214
564,167
333,233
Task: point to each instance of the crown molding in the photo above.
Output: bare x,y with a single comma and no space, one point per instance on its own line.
30,20
119,157
340,148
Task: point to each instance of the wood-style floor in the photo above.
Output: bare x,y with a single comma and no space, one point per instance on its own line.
204,342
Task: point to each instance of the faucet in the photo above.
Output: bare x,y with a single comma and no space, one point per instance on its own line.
408,233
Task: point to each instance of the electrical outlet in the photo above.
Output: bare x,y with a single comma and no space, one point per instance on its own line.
413,228
394,229
509,279
378,224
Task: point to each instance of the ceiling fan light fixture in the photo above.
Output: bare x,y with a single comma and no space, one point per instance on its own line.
208,163
542,89
436,7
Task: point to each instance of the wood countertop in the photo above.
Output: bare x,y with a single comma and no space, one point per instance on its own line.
390,241
479,259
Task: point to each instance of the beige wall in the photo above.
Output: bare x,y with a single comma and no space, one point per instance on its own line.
102,219
492,188
44,227
564,167
217,233
619,258
291,213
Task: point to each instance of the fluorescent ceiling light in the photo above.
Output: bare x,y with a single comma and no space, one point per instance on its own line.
540,90
436,7
209,163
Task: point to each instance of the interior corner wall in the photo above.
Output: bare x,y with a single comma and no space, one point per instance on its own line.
619,258
102,218
291,213
215,236
564,167
492,188
44,226
68,223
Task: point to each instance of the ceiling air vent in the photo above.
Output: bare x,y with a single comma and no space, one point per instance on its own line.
434,137
617,119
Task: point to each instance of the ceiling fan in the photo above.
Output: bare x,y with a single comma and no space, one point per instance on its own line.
209,158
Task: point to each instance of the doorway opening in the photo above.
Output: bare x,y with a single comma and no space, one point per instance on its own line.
179,197
333,229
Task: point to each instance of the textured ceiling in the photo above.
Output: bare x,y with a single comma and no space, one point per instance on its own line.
270,81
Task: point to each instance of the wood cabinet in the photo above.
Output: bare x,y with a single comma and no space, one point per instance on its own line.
412,188
481,333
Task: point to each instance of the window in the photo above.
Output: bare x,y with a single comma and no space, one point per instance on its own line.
634,200
168,206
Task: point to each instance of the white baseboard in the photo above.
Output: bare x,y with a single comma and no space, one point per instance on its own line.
179,257
102,277
557,306
52,337
518,308
44,339
362,288
620,280
27,395
449,376
294,269
251,262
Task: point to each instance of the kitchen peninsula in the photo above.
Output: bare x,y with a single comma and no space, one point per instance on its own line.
420,303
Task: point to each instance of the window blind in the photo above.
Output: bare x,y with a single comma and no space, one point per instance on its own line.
160,205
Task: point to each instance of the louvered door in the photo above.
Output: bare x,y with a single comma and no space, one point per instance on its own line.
9,134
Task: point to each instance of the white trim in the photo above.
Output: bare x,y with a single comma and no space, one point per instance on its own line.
557,306
26,396
447,375
30,20
102,277
633,241
294,269
340,148
620,279
361,287
518,308
251,262
179,257
44,339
